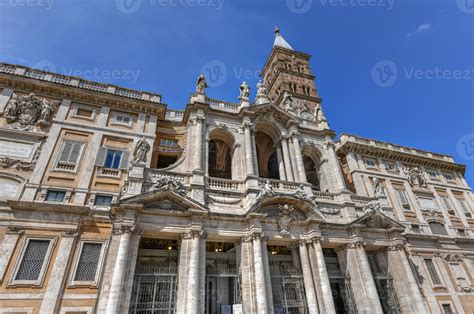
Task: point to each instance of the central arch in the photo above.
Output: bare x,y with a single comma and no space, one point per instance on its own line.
220,151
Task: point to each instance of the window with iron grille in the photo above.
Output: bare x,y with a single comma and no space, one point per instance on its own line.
102,200
34,257
88,263
55,196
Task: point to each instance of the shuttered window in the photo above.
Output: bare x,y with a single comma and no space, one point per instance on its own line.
402,198
432,271
69,155
447,204
427,203
462,202
112,158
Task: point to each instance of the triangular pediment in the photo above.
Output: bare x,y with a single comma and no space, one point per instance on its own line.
271,110
377,220
164,200
302,209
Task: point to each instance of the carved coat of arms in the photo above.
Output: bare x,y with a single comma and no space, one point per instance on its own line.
27,112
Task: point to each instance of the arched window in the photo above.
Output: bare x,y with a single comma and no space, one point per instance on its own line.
219,161
312,174
266,156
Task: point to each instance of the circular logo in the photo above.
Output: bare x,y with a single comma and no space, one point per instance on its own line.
466,6
384,73
215,72
128,6
465,146
45,65
299,6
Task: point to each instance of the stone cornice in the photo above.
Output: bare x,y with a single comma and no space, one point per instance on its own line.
368,147
54,85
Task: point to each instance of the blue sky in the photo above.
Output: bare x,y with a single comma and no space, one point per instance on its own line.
394,70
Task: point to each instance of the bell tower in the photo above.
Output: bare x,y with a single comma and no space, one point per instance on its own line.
287,72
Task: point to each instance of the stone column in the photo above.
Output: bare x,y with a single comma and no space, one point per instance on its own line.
405,285
294,165
316,250
281,163
268,279
116,287
336,172
362,281
260,287
7,247
248,147
308,280
189,277
295,258
246,274
128,282
199,126
298,156
287,159
58,277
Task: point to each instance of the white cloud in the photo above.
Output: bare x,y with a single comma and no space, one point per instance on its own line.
423,28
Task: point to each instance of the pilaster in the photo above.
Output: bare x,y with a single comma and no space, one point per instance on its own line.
7,248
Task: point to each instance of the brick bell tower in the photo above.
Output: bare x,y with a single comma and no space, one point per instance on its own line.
287,70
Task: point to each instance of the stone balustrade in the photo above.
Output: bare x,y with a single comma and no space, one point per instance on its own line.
78,82
222,105
174,115
224,184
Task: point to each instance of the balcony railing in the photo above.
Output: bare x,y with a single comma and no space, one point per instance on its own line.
225,184
222,105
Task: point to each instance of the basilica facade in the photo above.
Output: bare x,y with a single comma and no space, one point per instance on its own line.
112,203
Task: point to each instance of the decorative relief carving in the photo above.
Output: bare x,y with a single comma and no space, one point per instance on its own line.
26,113
192,234
6,162
141,150
416,177
372,207
266,190
224,199
164,204
165,183
301,194
377,187
328,144
121,229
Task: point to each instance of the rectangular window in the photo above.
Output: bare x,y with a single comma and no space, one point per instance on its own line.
102,200
69,155
447,204
432,173
402,198
32,262
113,159
122,119
465,208
391,166
84,112
432,271
427,203
370,163
168,143
55,196
88,262
447,308
448,176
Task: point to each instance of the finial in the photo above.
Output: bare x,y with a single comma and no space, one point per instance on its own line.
276,29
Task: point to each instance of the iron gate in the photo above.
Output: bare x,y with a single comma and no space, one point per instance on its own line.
288,289
154,288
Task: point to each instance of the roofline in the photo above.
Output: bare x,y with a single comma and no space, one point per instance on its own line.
74,81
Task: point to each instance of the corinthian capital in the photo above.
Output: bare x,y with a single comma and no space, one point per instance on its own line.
192,234
246,124
355,245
